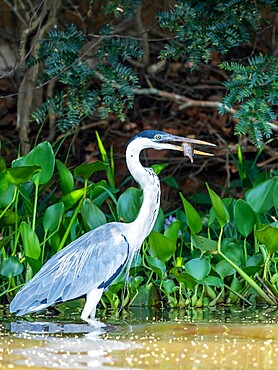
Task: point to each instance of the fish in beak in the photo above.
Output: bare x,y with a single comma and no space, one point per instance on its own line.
187,146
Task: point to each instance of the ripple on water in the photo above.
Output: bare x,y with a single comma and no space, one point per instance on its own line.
187,340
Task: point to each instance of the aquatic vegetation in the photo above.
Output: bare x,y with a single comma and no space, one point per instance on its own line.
225,253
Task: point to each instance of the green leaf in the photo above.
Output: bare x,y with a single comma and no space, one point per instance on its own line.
213,281
7,190
66,178
172,231
92,215
160,246
183,277
159,222
42,155
268,235
10,267
198,268
34,264
245,217
52,216
234,252
129,204
275,196
72,198
203,243
159,167
168,286
223,268
219,208
30,241
87,169
19,175
193,218
156,265
260,197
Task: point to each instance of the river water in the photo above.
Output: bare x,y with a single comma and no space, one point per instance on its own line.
220,338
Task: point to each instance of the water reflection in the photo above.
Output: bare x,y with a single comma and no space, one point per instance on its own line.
144,339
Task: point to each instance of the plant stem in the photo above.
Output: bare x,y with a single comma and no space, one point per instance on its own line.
35,206
247,278
74,217
8,206
245,250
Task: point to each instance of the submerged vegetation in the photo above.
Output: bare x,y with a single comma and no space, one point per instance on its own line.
225,253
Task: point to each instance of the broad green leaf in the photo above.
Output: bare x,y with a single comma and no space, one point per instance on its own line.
234,252
255,260
198,268
129,204
7,190
19,175
260,197
72,198
42,155
66,178
156,265
30,240
92,215
34,264
10,267
223,268
203,243
52,216
87,169
245,217
168,286
275,196
236,284
183,277
213,281
193,218
219,208
268,235
160,246
172,231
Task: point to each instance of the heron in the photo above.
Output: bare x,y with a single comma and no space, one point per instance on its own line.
89,264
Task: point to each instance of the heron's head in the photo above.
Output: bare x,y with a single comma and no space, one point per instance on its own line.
152,139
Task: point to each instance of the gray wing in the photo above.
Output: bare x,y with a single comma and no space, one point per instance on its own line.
92,261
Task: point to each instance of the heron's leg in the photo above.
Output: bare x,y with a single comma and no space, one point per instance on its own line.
89,309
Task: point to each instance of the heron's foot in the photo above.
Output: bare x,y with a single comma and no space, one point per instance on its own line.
95,323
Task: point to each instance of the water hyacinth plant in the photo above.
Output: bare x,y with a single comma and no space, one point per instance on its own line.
224,254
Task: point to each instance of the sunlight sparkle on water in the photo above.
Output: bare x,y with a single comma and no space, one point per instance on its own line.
243,342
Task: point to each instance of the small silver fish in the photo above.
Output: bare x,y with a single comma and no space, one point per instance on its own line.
188,151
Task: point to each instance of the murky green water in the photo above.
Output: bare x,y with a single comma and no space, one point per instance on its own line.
141,339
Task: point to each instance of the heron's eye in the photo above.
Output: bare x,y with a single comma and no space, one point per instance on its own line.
157,137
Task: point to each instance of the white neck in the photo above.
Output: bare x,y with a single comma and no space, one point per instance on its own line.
150,185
